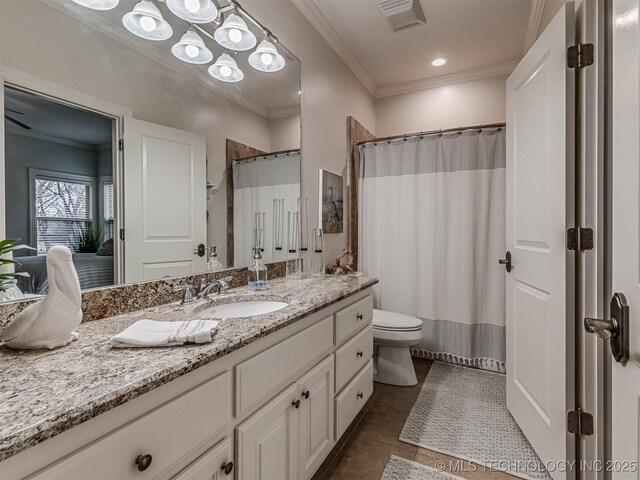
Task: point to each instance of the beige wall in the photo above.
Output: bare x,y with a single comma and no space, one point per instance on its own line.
470,103
285,133
551,7
330,93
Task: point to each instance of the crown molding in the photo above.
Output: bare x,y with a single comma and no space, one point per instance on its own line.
449,79
313,14
284,112
95,21
49,138
533,26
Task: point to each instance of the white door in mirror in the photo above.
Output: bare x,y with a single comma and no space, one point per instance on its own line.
165,201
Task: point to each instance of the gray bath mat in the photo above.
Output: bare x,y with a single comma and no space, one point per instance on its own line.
398,468
463,412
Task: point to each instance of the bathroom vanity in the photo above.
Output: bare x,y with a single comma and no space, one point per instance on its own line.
268,398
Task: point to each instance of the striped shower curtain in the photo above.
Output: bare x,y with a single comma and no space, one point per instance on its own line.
432,229
256,183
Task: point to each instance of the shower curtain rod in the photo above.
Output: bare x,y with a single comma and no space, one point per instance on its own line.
431,132
265,155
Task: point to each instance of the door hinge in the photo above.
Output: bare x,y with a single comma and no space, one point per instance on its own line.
122,234
579,422
121,145
580,239
580,56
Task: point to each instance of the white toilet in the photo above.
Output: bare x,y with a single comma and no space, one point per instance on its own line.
393,334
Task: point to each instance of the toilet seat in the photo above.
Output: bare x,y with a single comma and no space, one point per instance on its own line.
395,322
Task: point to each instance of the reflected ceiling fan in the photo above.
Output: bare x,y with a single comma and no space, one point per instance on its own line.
13,120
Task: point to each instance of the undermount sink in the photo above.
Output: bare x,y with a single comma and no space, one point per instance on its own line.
248,308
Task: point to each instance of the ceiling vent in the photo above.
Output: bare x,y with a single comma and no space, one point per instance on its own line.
402,14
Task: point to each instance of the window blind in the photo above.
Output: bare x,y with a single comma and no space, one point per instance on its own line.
62,211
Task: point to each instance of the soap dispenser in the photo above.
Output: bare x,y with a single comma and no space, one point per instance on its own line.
257,274
213,263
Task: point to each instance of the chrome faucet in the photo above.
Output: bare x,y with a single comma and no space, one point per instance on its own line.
205,288
187,297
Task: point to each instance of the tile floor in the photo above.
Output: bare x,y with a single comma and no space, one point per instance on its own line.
372,438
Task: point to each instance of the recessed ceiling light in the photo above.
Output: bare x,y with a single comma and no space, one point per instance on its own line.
439,61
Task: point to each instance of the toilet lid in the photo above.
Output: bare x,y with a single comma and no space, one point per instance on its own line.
384,320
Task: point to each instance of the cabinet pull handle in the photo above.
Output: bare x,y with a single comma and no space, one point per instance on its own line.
359,354
305,394
143,462
296,404
359,316
360,395
227,467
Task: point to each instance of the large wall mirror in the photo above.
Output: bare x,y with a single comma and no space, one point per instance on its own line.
154,139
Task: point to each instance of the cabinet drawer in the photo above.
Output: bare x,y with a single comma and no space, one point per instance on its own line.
213,465
353,398
259,375
167,433
352,356
353,318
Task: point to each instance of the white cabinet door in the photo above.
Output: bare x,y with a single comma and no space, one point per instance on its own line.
165,207
625,379
540,208
316,417
216,464
267,442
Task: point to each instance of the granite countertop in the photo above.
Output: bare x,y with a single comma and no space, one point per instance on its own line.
44,393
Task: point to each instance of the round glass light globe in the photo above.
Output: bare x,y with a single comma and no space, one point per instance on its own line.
225,71
148,24
192,51
235,35
192,5
266,58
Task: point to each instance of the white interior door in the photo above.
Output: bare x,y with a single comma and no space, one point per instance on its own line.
540,208
625,380
164,201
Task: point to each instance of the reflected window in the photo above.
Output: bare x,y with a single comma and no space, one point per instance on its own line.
63,210
108,219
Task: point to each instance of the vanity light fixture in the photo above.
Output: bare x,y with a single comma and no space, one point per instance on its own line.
235,35
193,11
146,21
98,4
439,61
266,58
191,49
226,69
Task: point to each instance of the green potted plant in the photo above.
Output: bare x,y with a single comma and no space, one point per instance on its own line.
8,279
88,240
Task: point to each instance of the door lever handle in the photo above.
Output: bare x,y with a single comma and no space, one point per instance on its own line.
602,328
615,329
506,262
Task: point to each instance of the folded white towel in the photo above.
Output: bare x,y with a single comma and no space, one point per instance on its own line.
151,333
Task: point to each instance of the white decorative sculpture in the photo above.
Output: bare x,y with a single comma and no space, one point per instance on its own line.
50,323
